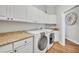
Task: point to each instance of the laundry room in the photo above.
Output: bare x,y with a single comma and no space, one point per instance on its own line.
39,28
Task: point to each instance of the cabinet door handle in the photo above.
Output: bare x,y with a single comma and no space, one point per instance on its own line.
11,18
8,18
25,41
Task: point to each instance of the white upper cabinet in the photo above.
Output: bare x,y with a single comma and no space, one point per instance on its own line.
42,17
51,19
35,15
19,12
16,12
25,13
13,12
32,14
10,11
3,12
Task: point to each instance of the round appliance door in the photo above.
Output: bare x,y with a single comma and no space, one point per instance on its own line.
51,37
42,43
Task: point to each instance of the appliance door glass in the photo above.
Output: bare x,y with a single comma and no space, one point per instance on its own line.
51,38
42,43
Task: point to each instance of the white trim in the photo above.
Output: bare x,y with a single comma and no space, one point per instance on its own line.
61,43
72,40
56,40
71,8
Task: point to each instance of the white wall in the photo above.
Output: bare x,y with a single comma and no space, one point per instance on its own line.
61,21
72,31
50,8
6,26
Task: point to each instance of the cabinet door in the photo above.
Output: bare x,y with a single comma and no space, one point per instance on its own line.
51,19
26,48
33,14
6,48
42,17
10,11
19,12
19,44
2,10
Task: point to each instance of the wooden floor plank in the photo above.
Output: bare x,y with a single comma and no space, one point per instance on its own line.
70,47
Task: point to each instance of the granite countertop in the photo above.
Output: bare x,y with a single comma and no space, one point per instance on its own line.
10,37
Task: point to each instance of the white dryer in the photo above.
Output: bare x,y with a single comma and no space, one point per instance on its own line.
51,40
51,37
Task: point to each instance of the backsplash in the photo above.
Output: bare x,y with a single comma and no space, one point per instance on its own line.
6,26
51,26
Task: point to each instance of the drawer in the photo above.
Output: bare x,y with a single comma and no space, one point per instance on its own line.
10,51
19,43
25,49
23,42
29,40
6,48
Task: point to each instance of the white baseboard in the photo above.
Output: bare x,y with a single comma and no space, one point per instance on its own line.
72,40
56,40
63,44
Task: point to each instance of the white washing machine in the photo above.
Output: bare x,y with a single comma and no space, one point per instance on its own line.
40,40
40,43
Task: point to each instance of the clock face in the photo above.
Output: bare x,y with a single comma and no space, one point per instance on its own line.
71,18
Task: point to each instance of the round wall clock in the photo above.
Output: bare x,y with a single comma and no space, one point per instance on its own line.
71,18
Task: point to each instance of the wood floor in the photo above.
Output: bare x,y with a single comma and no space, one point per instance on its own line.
70,47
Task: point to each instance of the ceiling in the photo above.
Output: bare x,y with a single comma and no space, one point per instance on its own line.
49,9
